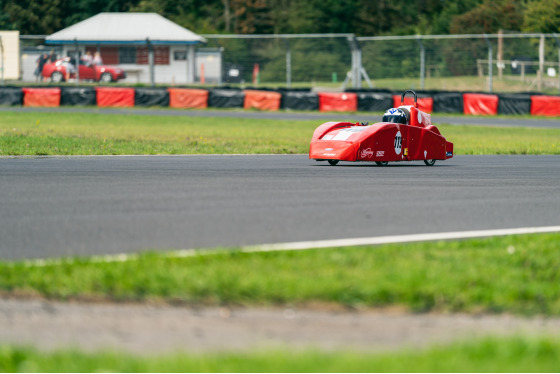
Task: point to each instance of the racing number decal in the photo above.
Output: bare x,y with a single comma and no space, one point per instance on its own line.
398,143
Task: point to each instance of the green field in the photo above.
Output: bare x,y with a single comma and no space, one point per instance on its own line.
105,134
488,355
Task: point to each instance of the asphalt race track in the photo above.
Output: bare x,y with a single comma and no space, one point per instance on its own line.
75,206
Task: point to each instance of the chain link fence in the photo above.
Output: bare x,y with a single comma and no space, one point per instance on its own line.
504,62
288,60
497,62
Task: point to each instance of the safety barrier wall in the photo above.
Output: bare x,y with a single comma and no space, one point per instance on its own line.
151,97
514,103
115,96
11,96
300,100
83,96
469,103
338,102
188,98
38,97
480,104
448,102
545,105
263,100
226,98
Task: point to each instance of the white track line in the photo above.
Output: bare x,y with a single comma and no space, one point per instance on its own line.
377,240
296,246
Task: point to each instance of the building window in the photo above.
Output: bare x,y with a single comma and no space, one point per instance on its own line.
180,55
161,55
127,55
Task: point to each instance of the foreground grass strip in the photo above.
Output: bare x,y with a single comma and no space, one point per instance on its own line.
486,355
24,133
517,274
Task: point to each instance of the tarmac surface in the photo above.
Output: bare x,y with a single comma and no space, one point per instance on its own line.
81,206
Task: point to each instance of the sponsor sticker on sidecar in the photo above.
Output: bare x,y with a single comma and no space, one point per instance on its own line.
366,153
344,134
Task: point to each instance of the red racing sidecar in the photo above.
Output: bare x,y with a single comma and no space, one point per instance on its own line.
405,134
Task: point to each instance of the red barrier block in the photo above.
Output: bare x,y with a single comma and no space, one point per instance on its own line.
41,97
545,106
188,98
480,104
425,104
338,102
115,96
263,100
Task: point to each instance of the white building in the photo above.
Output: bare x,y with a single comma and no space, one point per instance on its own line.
149,47
9,55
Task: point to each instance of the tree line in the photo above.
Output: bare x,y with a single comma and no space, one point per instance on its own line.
361,17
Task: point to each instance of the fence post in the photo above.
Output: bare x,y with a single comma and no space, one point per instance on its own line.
355,72
541,62
357,68
221,50
77,63
151,61
500,54
558,71
489,63
288,64
191,65
422,60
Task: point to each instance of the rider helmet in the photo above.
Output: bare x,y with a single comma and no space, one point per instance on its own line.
395,115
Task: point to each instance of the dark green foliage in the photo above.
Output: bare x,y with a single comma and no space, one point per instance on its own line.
44,17
542,16
489,17
361,17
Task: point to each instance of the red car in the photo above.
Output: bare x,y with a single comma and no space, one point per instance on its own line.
57,70
405,134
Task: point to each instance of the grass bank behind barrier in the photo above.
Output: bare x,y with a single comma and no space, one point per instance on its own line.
486,355
517,274
23,133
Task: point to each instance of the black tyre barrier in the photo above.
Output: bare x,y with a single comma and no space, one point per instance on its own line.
448,102
514,104
11,96
151,97
78,96
374,101
223,98
300,100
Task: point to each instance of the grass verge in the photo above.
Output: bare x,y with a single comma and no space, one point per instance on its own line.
517,274
486,355
24,133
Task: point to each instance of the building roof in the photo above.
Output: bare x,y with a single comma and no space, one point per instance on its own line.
125,28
